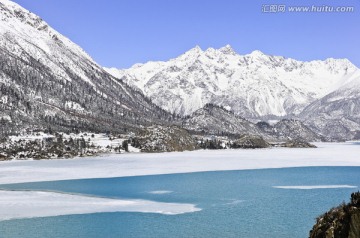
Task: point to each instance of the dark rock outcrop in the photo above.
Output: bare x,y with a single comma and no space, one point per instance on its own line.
340,222
3,157
297,144
216,120
250,142
164,139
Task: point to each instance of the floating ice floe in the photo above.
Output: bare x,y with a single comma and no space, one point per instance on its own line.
30,204
316,187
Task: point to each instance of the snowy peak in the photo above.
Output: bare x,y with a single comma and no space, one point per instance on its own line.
12,10
256,54
192,53
18,19
228,50
337,65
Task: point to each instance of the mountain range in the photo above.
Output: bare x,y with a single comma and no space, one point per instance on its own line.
48,81
323,94
253,85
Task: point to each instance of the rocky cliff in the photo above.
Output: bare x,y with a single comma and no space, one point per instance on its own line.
340,222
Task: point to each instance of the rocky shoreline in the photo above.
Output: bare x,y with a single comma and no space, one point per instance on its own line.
339,222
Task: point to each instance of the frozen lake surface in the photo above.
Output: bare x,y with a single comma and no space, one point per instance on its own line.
121,165
230,193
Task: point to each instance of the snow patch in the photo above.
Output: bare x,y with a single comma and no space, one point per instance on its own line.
74,106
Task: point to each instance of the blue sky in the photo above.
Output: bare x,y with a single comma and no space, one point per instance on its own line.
119,33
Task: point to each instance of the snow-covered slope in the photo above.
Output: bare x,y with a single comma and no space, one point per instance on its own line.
45,79
338,113
252,85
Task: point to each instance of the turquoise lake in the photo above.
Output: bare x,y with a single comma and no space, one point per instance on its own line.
234,204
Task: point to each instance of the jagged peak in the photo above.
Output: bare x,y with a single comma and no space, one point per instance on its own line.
192,54
196,49
9,3
344,62
22,18
227,50
210,50
14,10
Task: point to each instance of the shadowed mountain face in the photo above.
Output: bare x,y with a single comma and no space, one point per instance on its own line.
46,80
212,119
216,120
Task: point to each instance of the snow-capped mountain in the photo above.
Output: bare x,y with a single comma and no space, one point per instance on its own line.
47,80
338,113
253,85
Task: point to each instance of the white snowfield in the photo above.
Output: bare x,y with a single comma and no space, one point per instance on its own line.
25,204
107,166
28,204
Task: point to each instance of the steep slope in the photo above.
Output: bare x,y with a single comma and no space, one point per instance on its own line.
46,80
338,113
253,85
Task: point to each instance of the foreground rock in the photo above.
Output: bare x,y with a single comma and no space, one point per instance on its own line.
340,222
250,142
164,139
297,144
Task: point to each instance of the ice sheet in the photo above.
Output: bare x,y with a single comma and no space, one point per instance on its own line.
30,204
120,165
